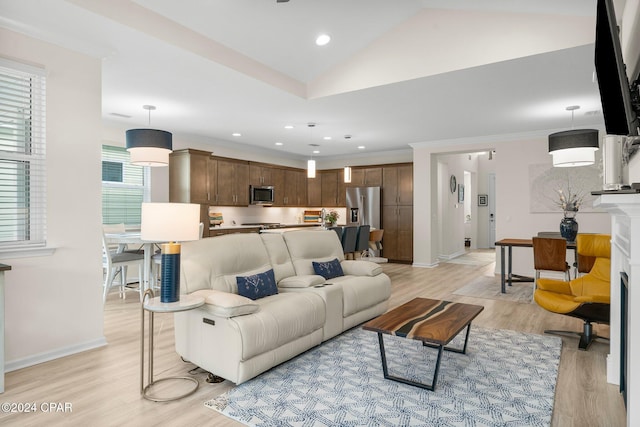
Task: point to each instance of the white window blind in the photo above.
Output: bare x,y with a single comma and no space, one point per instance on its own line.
22,157
124,187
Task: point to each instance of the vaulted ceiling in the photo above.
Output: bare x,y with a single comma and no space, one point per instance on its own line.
394,73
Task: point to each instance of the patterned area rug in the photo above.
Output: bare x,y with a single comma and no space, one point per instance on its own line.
489,287
506,378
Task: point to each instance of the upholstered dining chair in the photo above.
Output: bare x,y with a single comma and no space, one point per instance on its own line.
585,297
115,264
349,239
362,241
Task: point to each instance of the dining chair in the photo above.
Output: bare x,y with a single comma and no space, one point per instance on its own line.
115,264
349,238
362,242
550,254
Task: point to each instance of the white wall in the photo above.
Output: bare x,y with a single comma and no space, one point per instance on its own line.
53,304
513,155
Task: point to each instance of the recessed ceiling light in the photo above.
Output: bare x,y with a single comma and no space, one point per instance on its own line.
288,127
323,39
236,134
361,147
279,143
316,151
327,138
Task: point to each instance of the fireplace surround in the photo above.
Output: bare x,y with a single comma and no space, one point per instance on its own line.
624,209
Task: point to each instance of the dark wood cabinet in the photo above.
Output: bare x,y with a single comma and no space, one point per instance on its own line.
314,191
397,212
295,188
329,188
192,176
366,177
260,174
232,183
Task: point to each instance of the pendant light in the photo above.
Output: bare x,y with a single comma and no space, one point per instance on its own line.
575,147
149,147
311,164
347,174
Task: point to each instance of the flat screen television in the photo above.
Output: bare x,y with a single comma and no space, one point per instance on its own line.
615,94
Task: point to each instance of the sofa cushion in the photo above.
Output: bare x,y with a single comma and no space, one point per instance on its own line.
306,246
328,269
361,268
282,318
258,285
278,255
225,304
301,281
362,292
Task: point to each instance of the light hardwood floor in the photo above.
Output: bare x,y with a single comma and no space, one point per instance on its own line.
102,385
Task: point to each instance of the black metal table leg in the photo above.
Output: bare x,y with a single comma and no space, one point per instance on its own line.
502,271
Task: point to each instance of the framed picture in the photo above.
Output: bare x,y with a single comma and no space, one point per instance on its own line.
483,200
460,193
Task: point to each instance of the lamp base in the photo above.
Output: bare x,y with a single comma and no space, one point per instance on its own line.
170,276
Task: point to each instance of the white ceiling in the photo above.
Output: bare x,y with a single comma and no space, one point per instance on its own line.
395,73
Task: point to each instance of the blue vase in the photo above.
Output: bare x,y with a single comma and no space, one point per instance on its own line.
569,227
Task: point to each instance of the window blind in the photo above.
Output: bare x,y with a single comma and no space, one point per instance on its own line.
124,187
22,157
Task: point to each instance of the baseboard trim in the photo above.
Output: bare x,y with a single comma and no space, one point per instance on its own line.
422,265
54,354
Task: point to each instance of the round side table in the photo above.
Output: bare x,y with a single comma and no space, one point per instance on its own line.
153,305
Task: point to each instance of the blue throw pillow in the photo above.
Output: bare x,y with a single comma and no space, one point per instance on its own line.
257,286
328,269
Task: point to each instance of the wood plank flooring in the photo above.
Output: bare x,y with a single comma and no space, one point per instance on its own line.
102,385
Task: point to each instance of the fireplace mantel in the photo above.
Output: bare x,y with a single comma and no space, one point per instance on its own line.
625,257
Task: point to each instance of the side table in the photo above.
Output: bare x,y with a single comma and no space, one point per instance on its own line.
153,305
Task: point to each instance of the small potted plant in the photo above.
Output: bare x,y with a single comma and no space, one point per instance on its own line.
330,218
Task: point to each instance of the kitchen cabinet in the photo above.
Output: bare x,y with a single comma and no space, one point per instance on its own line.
365,177
397,212
397,240
232,183
294,188
329,188
260,174
192,176
397,185
314,191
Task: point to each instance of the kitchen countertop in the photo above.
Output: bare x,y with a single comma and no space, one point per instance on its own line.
281,226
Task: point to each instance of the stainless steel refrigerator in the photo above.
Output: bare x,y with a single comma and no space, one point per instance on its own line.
363,206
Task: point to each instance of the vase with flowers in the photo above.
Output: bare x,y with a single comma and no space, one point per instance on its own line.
570,203
331,218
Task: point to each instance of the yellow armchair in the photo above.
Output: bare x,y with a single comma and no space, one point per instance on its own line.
586,297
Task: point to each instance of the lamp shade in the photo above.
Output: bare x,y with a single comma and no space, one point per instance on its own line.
573,147
347,174
311,168
149,147
170,222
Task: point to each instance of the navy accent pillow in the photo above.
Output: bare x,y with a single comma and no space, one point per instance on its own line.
257,286
328,269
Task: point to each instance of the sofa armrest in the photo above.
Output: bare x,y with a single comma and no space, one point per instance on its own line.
225,304
302,281
360,268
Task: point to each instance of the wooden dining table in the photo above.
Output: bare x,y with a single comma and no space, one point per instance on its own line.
506,275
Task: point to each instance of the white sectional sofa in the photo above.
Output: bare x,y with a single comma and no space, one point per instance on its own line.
238,338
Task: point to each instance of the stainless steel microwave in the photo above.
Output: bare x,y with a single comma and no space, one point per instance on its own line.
261,195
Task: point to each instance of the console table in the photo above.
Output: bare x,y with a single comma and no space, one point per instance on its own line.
3,268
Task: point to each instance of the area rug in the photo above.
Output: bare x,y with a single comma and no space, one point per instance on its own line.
475,258
489,287
506,378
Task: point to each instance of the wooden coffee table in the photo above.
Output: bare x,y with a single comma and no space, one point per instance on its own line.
433,322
